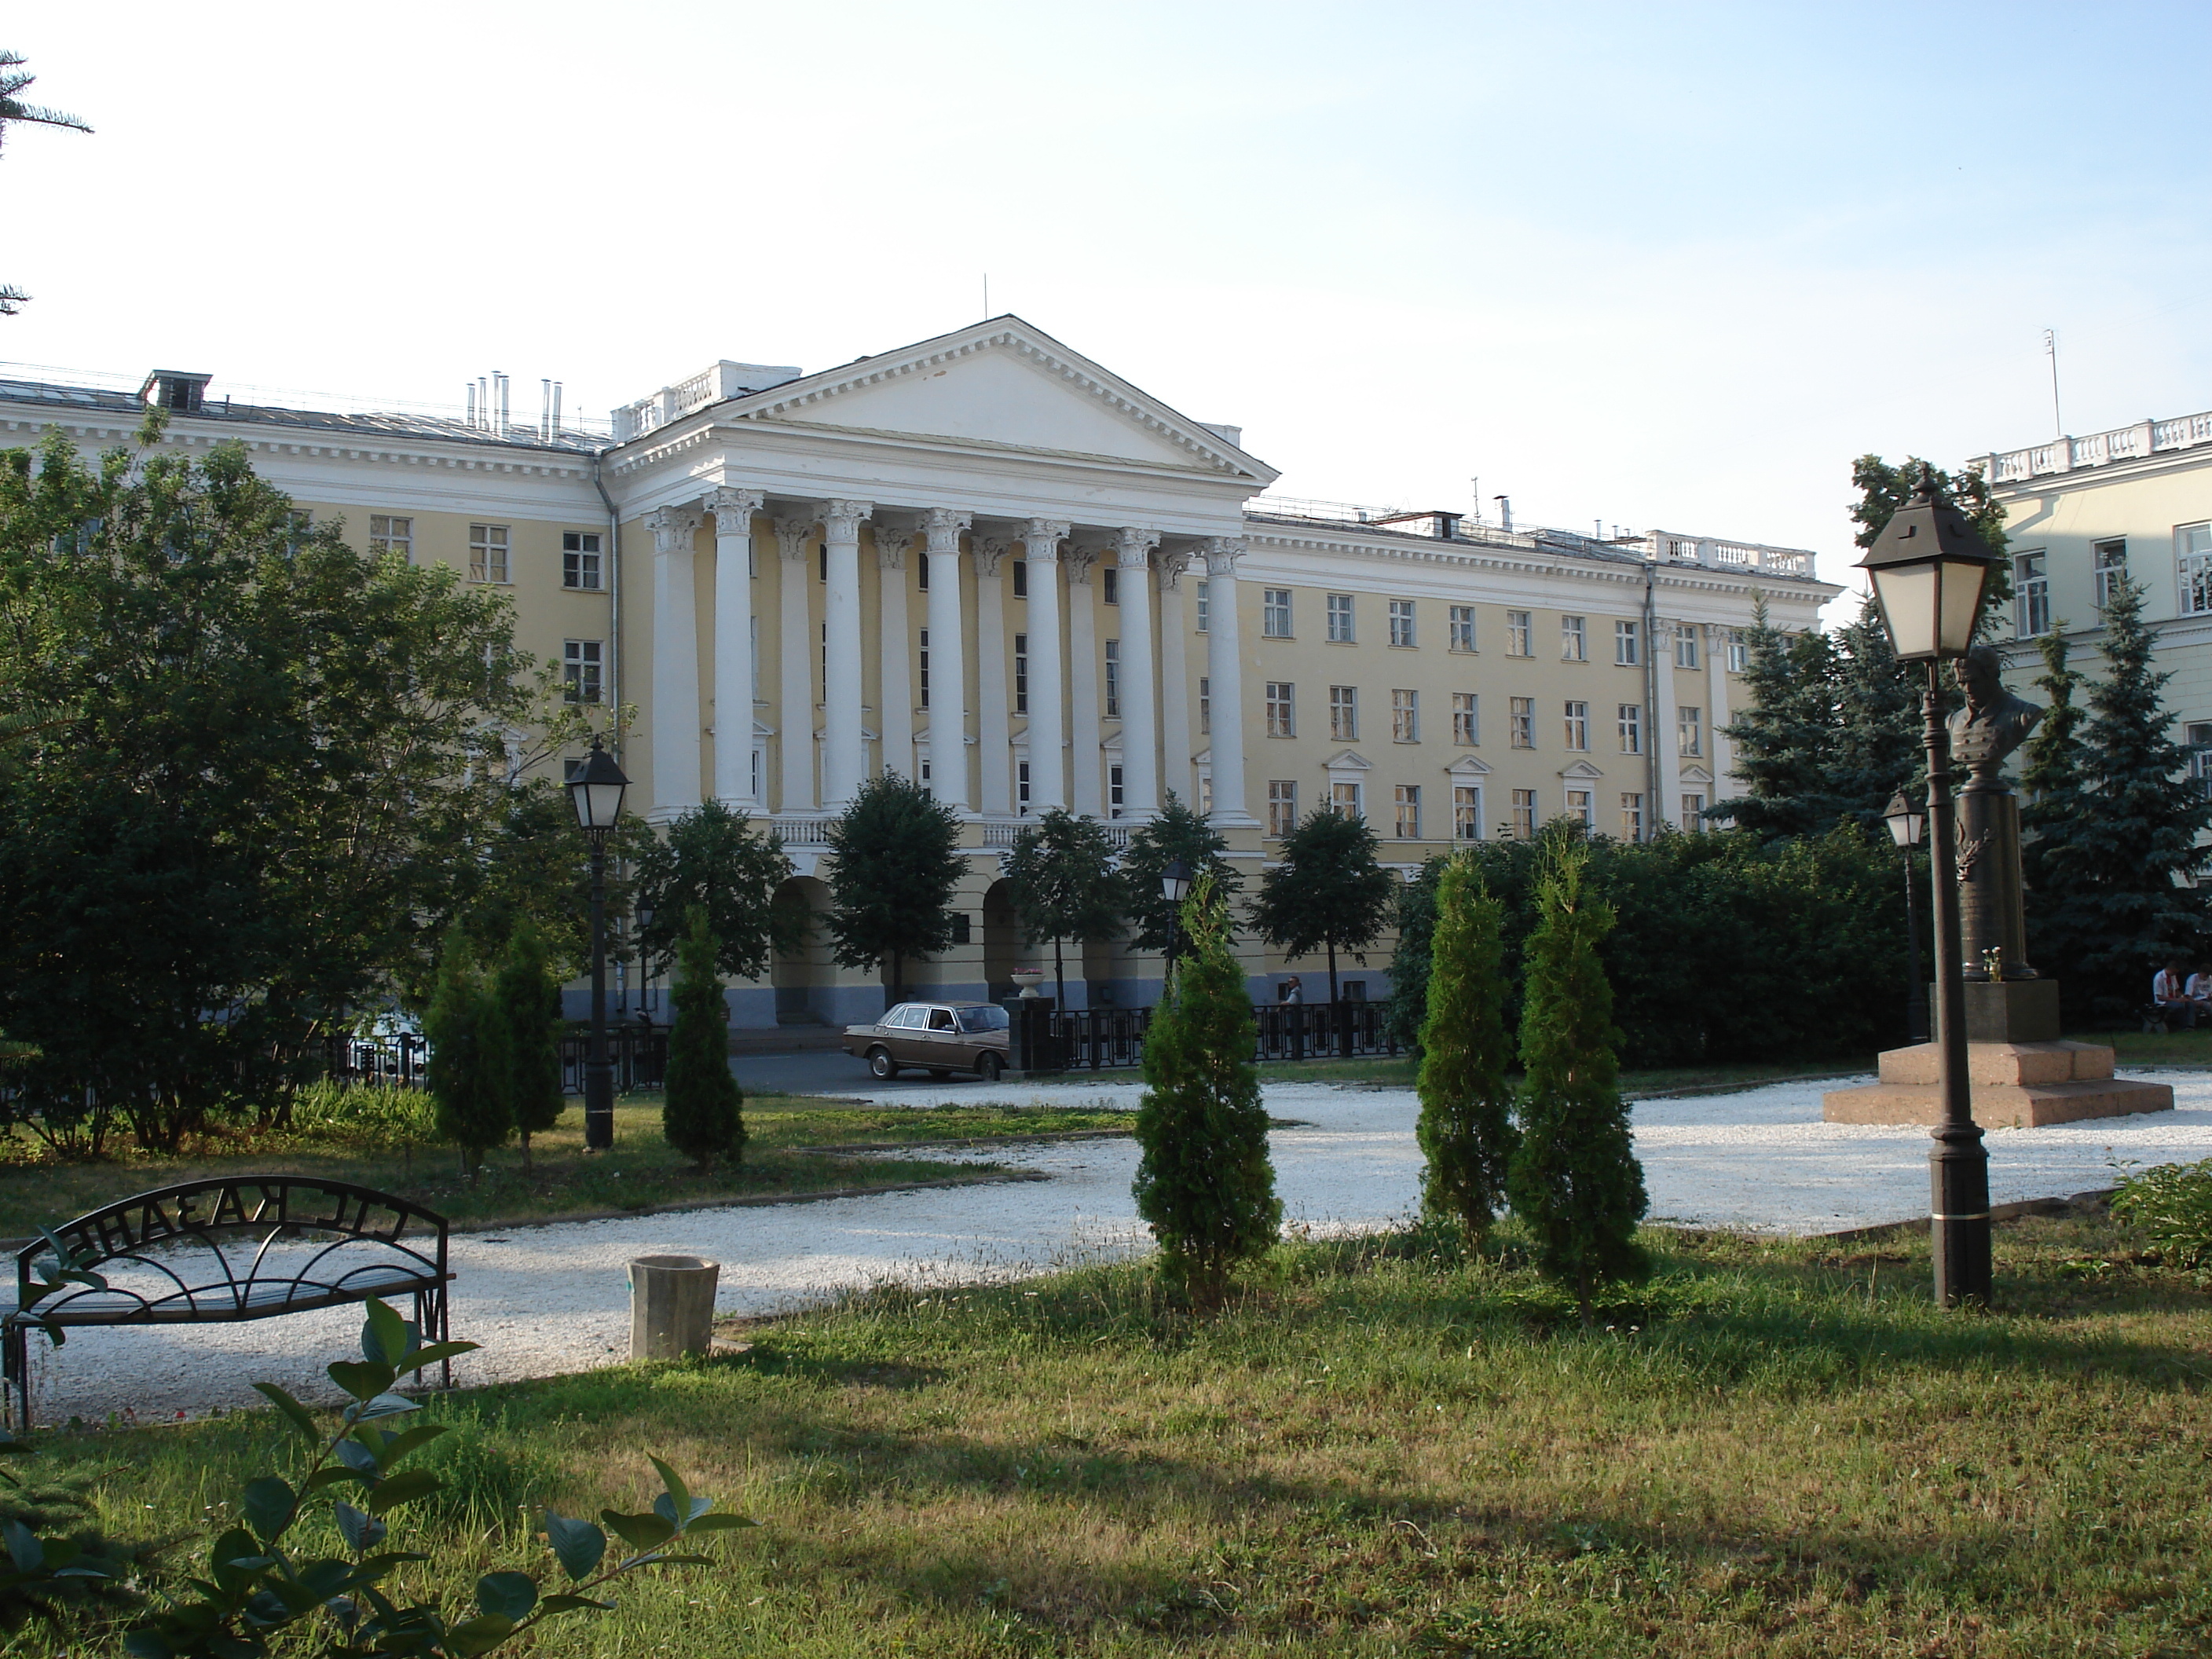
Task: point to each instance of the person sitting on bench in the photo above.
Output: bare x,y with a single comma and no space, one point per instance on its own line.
2169,994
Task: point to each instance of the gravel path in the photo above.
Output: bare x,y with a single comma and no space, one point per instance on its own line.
549,1299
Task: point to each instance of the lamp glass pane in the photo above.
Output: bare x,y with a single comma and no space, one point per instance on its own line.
1963,579
604,806
1907,593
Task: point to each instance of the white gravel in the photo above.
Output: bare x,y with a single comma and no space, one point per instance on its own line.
549,1299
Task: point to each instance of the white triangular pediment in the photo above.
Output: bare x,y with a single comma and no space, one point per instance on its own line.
1112,745
1203,757
1467,766
1696,774
1580,769
1003,383
762,730
1349,761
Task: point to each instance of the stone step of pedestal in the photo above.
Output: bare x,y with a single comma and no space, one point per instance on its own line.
2019,1063
1999,1105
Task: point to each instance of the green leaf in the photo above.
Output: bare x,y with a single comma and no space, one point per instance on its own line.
332,1474
384,1405
147,1644
479,1635
508,1595
553,1604
577,1545
640,1532
679,1495
361,1530
402,1488
422,1358
718,1523
360,1378
23,1546
301,1418
385,1338
397,1446
269,1506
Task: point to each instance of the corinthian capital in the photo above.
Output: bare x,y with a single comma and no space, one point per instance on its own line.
941,526
793,536
990,552
733,509
1078,560
841,520
1133,548
672,528
891,545
1042,537
1172,565
1222,553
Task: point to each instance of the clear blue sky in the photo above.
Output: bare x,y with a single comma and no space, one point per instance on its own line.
1656,265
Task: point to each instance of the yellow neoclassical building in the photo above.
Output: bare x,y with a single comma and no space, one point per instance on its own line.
994,565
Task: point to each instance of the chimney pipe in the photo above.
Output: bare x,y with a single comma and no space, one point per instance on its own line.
1504,512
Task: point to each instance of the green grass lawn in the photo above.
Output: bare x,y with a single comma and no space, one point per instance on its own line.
1775,1449
640,1173
2155,1048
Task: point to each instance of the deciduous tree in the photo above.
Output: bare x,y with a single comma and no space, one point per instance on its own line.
1061,875
715,859
896,864
1177,833
1327,891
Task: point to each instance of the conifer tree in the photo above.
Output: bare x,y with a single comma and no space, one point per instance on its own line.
1878,748
2050,774
471,1066
529,998
1784,739
1205,1183
1465,1128
1410,961
702,1108
896,863
1575,1180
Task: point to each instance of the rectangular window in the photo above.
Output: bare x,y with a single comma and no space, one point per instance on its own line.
1205,613
1520,722
1021,672
1518,635
1340,619
1113,680
1205,705
1693,811
1466,812
1632,728
1021,577
390,535
821,562
1022,783
1581,808
1282,709
923,679
1116,792
1632,817
1466,723
488,553
580,560
2031,596
1344,800
1401,622
921,573
1343,712
2193,545
1689,731
1686,645
1627,644
1282,807
1462,628
1275,612
1574,640
1109,585
1739,652
1409,812
1206,794
1577,725
1524,814
580,671
2110,560
2197,735
1405,717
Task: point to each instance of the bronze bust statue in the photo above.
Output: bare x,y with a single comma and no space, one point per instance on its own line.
1995,721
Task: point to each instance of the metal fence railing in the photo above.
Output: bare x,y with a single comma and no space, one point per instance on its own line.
1102,1039
641,1060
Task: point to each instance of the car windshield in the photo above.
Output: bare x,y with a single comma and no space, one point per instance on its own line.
983,1017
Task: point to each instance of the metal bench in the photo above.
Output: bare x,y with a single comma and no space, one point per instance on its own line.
214,1252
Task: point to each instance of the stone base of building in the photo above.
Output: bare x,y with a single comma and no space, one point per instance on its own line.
2015,1085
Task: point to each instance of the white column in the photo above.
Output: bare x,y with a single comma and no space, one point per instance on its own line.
1140,736
675,759
895,669
948,667
994,751
1085,775
1719,760
1175,747
794,714
1041,539
1668,809
733,511
844,746
1224,669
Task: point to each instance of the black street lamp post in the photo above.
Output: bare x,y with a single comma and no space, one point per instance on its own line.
644,964
1905,826
1174,887
1929,569
596,792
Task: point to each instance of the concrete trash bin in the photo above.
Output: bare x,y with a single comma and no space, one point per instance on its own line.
671,1306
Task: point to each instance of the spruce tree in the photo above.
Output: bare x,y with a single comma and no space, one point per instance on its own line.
701,1108
1574,1180
1205,1183
1786,737
1416,925
1465,1128
1878,741
2050,778
897,862
471,1067
529,998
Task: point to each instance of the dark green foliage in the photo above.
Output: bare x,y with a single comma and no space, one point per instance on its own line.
1575,1180
1205,1183
714,858
896,851
61,1569
1465,1126
1416,925
529,998
1883,489
702,1108
1061,875
1177,833
1879,745
2172,1205
1784,735
2116,816
535,870
471,1065
1327,891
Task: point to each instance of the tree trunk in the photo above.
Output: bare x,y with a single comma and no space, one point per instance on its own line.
1058,977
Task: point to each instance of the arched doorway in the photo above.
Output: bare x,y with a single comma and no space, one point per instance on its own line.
1002,941
801,973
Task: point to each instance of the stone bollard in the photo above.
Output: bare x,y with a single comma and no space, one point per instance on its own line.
671,1306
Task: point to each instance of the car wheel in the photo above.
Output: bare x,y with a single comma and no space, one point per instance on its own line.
990,1066
881,1064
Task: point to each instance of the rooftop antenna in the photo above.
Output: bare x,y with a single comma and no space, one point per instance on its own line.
1474,485
987,294
2051,350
